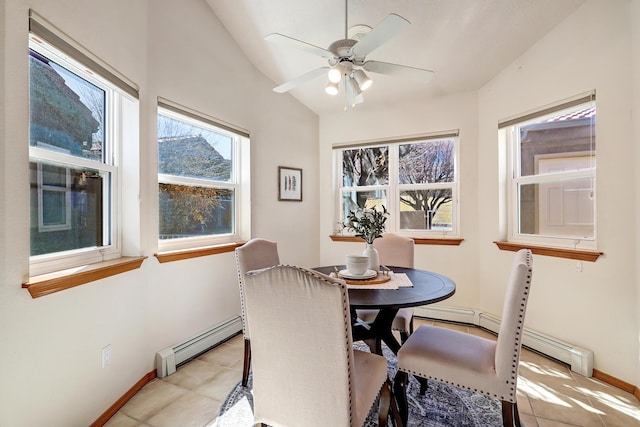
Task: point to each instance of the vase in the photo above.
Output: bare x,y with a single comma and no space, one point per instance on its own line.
372,253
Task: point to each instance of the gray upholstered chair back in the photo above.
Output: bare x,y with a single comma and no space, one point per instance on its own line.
510,334
255,254
395,250
302,374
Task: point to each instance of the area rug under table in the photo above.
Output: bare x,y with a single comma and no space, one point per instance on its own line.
442,405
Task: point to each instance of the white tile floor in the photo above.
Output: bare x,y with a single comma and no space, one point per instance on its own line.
549,394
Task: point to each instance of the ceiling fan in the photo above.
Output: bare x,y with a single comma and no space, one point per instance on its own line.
347,60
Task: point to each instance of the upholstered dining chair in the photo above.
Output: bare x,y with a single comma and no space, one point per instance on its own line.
464,360
396,251
305,370
255,254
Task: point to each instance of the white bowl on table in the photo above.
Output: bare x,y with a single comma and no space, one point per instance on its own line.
357,265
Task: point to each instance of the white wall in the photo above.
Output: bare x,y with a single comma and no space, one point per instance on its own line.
51,346
634,18
596,308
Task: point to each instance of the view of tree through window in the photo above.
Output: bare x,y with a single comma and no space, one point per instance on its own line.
427,163
196,181
68,180
416,181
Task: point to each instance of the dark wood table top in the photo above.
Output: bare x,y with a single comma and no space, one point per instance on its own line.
428,288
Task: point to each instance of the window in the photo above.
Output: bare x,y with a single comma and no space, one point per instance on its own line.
552,165
75,132
416,180
200,178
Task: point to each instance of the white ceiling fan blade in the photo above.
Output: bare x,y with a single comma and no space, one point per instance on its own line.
298,44
285,87
398,70
380,34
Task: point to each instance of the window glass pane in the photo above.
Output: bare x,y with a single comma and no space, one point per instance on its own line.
68,216
426,209
66,112
561,208
54,208
352,200
569,135
193,151
188,211
365,166
53,175
426,162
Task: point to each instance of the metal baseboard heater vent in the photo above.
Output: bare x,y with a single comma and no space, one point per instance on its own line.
580,359
168,359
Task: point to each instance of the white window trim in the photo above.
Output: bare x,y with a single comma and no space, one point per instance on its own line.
394,188
46,263
239,181
508,135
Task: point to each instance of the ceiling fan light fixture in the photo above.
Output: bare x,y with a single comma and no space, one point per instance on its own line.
364,82
332,88
355,87
335,73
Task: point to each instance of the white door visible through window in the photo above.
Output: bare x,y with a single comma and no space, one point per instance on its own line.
565,207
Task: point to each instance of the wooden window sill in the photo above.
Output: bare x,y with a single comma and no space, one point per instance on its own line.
417,240
49,283
181,254
580,255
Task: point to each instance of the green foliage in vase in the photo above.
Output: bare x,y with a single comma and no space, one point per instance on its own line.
367,223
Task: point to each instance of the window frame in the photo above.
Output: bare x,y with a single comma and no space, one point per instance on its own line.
66,193
394,188
110,164
239,180
508,136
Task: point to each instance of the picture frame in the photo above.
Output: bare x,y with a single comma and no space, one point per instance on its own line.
289,184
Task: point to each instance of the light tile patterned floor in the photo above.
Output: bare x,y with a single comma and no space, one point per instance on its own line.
549,394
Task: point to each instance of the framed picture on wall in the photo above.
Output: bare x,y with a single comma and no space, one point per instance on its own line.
289,184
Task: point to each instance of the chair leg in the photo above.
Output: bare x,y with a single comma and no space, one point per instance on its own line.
424,385
247,362
510,416
404,335
384,405
378,346
394,412
400,394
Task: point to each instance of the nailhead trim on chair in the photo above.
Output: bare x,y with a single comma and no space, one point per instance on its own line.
243,309
347,317
514,376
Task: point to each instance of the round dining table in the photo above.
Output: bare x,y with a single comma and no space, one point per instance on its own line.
428,288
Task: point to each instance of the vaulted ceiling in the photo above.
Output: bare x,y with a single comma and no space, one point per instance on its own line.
465,42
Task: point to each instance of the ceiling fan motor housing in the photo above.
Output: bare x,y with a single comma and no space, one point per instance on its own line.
342,50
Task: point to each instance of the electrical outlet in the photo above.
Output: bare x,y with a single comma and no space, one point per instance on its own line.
106,356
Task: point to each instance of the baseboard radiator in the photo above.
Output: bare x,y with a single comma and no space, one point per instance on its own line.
168,359
580,359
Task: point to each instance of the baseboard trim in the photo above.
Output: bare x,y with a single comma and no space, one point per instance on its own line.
106,416
623,385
